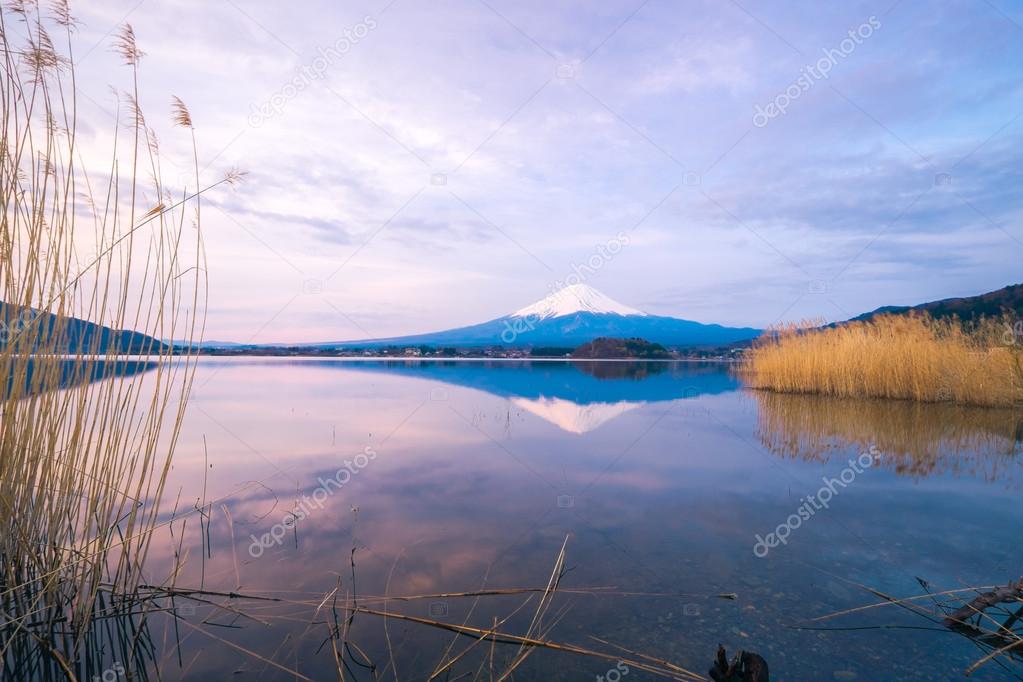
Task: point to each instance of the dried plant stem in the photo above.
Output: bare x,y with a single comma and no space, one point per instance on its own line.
91,396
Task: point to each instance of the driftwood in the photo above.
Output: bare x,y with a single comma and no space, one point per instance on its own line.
960,618
746,666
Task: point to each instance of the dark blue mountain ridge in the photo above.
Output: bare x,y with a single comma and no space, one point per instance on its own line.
572,316
37,331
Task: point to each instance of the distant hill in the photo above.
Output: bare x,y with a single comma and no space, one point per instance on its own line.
77,336
992,304
639,349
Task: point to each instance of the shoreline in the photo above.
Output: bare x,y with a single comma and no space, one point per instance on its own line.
373,358
398,358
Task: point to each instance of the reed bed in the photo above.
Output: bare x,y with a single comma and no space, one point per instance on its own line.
908,357
85,440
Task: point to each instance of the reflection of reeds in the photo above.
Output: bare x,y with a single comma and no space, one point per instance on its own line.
914,438
912,357
83,457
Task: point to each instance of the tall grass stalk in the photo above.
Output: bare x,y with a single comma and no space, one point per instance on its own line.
83,463
912,357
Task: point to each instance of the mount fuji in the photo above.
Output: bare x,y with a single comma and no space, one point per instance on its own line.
569,317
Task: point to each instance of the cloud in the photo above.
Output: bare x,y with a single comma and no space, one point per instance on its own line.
343,176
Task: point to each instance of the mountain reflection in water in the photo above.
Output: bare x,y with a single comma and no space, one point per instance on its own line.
577,396
916,439
71,372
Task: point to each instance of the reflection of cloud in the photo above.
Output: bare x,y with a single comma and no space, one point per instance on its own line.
573,417
453,504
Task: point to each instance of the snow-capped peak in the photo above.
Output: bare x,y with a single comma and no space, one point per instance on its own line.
575,298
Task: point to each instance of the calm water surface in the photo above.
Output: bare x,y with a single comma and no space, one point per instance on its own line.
465,475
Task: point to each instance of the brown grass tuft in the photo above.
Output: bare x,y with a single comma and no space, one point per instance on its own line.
179,113
62,13
127,47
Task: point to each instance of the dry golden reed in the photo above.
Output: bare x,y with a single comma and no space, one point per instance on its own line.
85,439
910,357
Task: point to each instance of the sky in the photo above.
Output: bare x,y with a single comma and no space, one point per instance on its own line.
419,166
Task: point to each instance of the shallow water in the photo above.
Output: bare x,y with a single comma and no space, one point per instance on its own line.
466,475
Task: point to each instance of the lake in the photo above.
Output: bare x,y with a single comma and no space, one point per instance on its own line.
676,488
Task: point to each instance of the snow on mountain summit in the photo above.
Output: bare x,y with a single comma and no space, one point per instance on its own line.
575,298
